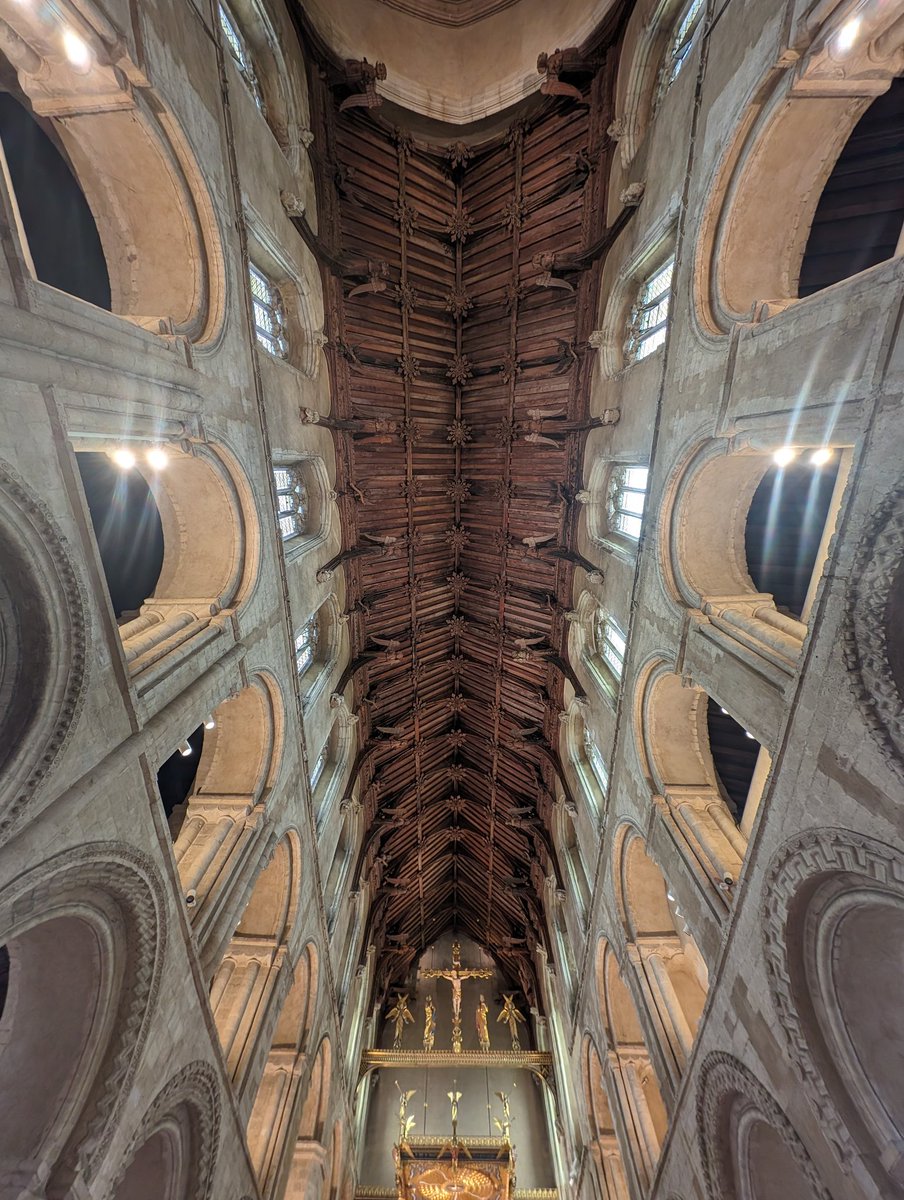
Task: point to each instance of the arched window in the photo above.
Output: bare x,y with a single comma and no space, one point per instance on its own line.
680,45
241,56
62,237
650,313
627,493
317,768
611,646
307,640
269,313
292,501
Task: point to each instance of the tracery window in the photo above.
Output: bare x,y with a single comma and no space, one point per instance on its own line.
292,501
680,45
610,644
306,642
239,51
269,313
650,314
625,501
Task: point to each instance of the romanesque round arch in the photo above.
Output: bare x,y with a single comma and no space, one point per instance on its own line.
43,645
832,904
747,1144
760,210
174,1149
92,921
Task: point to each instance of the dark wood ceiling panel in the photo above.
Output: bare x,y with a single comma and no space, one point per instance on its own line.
459,367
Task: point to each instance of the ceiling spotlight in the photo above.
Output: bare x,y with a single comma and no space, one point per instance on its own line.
747,733
124,458
157,458
820,457
724,712
185,748
784,455
76,49
209,721
848,34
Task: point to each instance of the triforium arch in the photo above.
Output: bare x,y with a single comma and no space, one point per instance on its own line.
163,257
673,741
211,543
670,970
605,1152
173,1152
760,212
832,908
254,975
84,936
749,1149
309,1175
225,814
44,634
276,1110
635,1093
705,557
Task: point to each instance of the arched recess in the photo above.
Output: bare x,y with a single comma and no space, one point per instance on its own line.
674,739
780,161
304,510
84,938
310,1162
748,1147
637,91
162,251
172,1155
210,555
635,1088
271,1124
225,812
706,553
585,762
604,1148
43,642
281,78
670,969
246,983
330,647
833,914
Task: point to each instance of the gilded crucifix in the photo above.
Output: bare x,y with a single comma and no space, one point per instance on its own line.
455,975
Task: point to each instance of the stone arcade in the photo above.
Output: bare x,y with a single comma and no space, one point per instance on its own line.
451,600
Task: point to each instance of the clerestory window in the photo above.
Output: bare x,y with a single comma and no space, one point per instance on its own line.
610,644
292,502
318,767
239,52
269,313
680,44
625,502
306,642
650,314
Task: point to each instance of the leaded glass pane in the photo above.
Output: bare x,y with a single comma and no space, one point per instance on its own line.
627,496
306,644
239,51
269,316
680,45
291,501
649,316
596,760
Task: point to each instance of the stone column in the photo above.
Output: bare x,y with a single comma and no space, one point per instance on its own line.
309,1171
239,994
655,954
634,1069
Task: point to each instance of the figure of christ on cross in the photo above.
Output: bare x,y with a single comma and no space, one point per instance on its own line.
455,975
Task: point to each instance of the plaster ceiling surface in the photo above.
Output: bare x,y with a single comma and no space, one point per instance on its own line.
455,60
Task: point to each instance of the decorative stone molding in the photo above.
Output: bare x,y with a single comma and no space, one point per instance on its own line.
724,1080
130,878
194,1087
802,861
877,569
41,558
